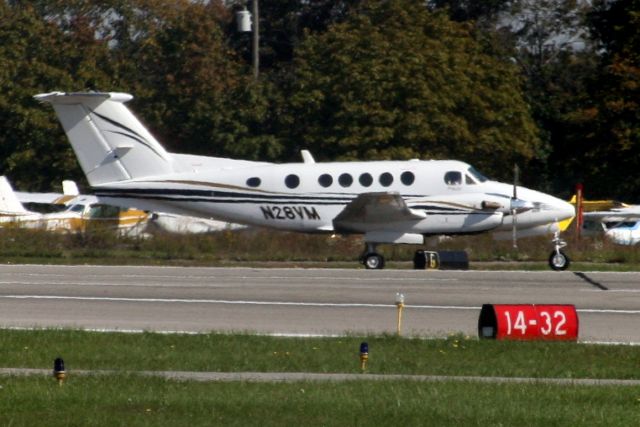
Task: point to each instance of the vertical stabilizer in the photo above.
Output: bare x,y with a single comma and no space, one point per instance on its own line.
69,188
109,141
9,203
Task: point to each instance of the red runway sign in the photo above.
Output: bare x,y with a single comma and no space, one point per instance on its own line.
528,322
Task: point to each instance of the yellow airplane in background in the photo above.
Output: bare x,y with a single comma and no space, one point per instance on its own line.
85,212
619,222
80,214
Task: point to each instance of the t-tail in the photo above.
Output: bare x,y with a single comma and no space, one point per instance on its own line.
9,203
111,144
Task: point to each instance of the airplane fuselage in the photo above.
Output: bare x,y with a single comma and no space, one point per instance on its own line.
306,197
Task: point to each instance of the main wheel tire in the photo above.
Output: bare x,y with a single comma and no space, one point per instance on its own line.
373,261
559,261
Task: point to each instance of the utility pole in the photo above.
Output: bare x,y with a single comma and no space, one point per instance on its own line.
255,45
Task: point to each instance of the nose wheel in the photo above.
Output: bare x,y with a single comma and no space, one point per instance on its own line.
558,260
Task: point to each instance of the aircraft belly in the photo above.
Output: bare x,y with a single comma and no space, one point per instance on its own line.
462,223
434,224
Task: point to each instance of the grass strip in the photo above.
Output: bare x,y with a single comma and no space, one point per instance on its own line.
457,355
122,398
258,246
134,400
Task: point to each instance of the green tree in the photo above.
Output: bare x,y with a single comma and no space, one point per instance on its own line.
191,88
395,81
283,24
609,141
36,56
485,13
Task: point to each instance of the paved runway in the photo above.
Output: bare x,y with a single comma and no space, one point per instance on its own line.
305,301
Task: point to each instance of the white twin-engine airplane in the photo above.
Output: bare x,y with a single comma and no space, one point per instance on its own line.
386,201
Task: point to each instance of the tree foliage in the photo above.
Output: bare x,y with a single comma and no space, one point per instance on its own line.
395,81
491,82
35,56
610,119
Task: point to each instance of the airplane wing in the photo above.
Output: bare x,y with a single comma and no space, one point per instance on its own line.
370,210
70,192
44,198
629,213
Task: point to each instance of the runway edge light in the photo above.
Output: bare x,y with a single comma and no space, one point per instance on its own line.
364,355
59,372
400,305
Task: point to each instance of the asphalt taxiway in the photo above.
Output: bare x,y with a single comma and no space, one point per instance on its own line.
305,301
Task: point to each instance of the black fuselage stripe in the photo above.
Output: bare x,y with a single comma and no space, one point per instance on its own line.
274,200
210,194
217,193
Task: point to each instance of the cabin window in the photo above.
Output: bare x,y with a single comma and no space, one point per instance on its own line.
468,180
386,179
365,179
325,180
77,208
345,180
407,178
453,178
254,182
292,181
104,211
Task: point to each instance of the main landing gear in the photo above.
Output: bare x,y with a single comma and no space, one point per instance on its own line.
558,260
370,258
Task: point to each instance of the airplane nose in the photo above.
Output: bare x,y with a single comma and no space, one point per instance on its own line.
565,210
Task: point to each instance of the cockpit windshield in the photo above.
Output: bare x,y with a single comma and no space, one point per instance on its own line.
477,175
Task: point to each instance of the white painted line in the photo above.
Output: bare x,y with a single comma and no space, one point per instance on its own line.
607,311
233,302
194,301
279,303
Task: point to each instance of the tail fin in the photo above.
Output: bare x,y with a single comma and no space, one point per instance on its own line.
110,142
9,203
69,188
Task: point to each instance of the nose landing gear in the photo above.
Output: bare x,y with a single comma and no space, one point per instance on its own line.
558,260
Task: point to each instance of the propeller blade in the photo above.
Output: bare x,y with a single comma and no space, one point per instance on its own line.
514,228
516,173
514,211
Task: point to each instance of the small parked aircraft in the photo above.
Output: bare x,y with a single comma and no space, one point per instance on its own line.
79,213
87,211
619,222
388,202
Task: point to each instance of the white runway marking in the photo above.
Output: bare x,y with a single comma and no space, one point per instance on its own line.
244,278
236,302
280,303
